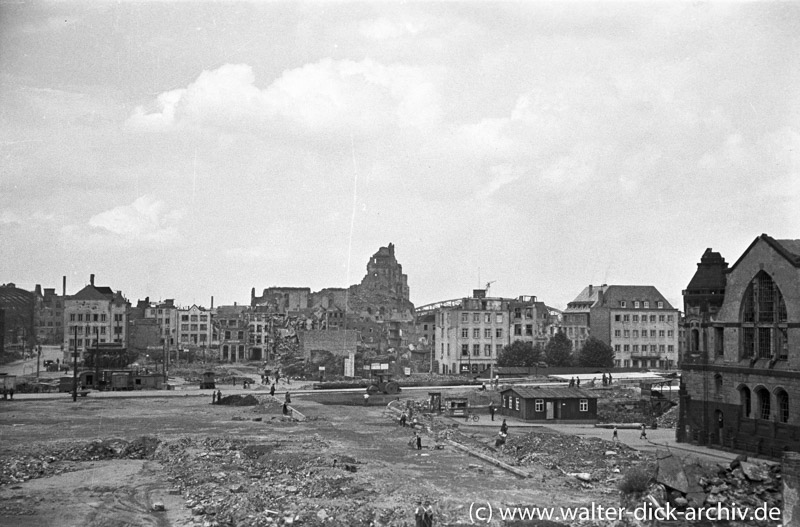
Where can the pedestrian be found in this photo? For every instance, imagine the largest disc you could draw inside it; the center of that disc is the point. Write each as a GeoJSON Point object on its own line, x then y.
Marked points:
{"type": "Point", "coordinates": [496, 381]}
{"type": "Point", "coordinates": [578, 382]}
{"type": "Point", "coordinates": [285, 409]}
{"type": "Point", "coordinates": [366, 399]}
{"type": "Point", "coordinates": [272, 390]}
{"type": "Point", "coordinates": [615, 436]}
{"type": "Point", "coordinates": [403, 419]}
{"type": "Point", "coordinates": [219, 397]}
{"type": "Point", "coordinates": [491, 410]}
{"type": "Point", "coordinates": [277, 376]}
{"type": "Point", "coordinates": [288, 397]}
{"type": "Point", "coordinates": [423, 516]}
{"type": "Point", "coordinates": [643, 435]}
{"type": "Point", "coordinates": [609, 378]}
{"type": "Point", "coordinates": [572, 382]}
{"type": "Point", "coordinates": [213, 397]}
{"type": "Point", "coordinates": [419, 441]}
{"type": "Point", "coordinates": [605, 380]}
{"type": "Point", "coordinates": [504, 427]}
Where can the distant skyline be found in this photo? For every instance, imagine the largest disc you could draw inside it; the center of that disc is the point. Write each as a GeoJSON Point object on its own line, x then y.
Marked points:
{"type": "Point", "coordinates": [195, 149]}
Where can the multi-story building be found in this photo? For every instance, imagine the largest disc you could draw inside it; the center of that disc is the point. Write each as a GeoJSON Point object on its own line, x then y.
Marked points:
{"type": "Point", "coordinates": [471, 332]}
{"type": "Point", "coordinates": [94, 315]}
{"type": "Point", "coordinates": [194, 328]}
{"type": "Point", "coordinates": [232, 327]}
{"type": "Point", "coordinates": [741, 372]}
{"type": "Point", "coordinates": [17, 309]}
{"type": "Point", "coordinates": [49, 316]}
{"type": "Point", "coordinates": [166, 313]}
{"type": "Point", "coordinates": [636, 321]}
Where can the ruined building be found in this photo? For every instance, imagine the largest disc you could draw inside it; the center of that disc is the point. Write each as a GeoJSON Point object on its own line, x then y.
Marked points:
{"type": "Point", "coordinates": [377, 310]}
{"type": "Point", "coordinates": [741, 372]}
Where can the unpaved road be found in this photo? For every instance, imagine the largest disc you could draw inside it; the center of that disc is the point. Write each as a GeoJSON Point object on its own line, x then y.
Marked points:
{"type": "Point", "coordinates": [344, 465]}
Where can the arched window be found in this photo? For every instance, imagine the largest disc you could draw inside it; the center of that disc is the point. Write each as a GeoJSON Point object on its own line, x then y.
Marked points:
{"type": "Point", "coordinates": [762, 396]}
{"type": "Point", "coordinates": [763, 309]}
{"type": "Point", "coordinates": [744, 400]}
{"type": "Point", "coordinates": [695, 342]}
{"type": "Point", "coordinates": [783, 405]}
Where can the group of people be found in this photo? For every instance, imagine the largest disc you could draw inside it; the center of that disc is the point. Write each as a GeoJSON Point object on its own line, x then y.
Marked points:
{"type": "Point", "coordinates": [575, 382]}
{"type": "Point", "coordinates": [216, 397]}
{"type": "Point", "coordinates": [8, 393]}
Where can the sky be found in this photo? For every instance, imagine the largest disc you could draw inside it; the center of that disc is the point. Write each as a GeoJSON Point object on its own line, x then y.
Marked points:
{"type": "Point", "coordinates": [195, 149]}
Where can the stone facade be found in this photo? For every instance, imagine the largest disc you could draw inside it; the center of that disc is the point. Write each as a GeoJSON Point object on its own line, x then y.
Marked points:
{"type": "Point", "coordinates": [339, 342]}
{"type": "Point", "coordinates": [741, 375]}
{"type": "Point", "coordinates": [637, 322]}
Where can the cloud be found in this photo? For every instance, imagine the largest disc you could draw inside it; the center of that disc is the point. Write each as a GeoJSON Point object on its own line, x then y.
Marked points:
{"type": "Point", "coordinates": [326, 96]}
{"type": "Point", "coordinates": [146, 220]}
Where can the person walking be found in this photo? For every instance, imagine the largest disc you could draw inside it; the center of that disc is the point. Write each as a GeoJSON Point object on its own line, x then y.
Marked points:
{"type": "Point", "coordinates": [403, 419]}
{"type": "Point", "coordinates": [577, 382]}
{"type": "Point", "coordinates": [491, 410]}
{"type": "Point", "coordinates": [643, 435]}
{"type": "Point", "coordinates": [213, 397]}
{"type": "Point", "coordinates": [288, 397]}
{"type": "Point", "coordinates": [572, 382]}
{"type": "Point", "coordinates": [272, 390]}
{"type": "Point", "coordinates": [219, 396]}
{"type": "Point", "coordinates": [504, 427]}
{"type": "Point", "coordinates": [419, 441]}
{"type": "Point", "coordinates": [615, 436]}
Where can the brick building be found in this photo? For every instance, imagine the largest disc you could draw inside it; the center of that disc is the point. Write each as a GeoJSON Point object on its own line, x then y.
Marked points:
{"type": "Point", "coordinates": [741, 372]}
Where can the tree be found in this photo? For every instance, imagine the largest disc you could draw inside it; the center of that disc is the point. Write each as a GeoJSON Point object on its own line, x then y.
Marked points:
{"type": "Point", "coordinates": [596, 353]}
{"type": "Point", "coordinates": [518, 354]}
{"type": "Point", "coordinates": [558, 351]}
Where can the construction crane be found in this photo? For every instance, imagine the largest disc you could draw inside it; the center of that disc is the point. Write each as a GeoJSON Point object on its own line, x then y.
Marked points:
{"type": "Point", "coordinates": [487, 286]}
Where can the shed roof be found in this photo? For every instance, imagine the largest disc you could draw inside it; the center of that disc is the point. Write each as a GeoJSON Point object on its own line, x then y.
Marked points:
{"type": "Point", "coordinates": [546, 392]}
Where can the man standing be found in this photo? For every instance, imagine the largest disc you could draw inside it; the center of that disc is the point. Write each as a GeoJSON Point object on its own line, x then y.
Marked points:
{"type": "Point", "coordinates": [419, 441]}
{"type": "Point", "coordinates": [272, 390]}
{"type": "Point", "coordinates": [491, 410]}
{"type": "Point", "coordinates": [615, 437]}
{"type": "Point", "coordinates": [643, 435]}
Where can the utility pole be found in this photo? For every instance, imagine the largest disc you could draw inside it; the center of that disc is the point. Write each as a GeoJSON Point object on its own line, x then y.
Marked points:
{"type": "Point", "coordinates": [75, 367]}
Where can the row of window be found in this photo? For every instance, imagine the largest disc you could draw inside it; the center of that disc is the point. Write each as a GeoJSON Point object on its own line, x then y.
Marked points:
{"type": "Point", "coordinates": [636, 333]}
{"type": "Point", "coordinates": [764, 408]}
{"type": "Point", "coordinates": [487, 333]}
{"type": "Point", "coordinates": [89, 342]}
{"type": "Point", "coordinates": [645, 304]}
{"type": "Point", "coordinates": [90, 317]}
{"type": "Point", "coordinates": [194, 318]}
{"type": "Point", "coordinates": [185, 327]}
{"type": "Point", "coordinates": [643, 318]}
{"type": "Point", "coordinates": [476, 350]}
{"type": "Point", "coordinates": [486, 317]}
{"type": "Point", "coordinates": [512, 403]}
{"type": "Point", "coordinates": [653, 348]}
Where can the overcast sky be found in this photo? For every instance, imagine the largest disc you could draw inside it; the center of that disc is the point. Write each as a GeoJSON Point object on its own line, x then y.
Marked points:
{"type": "Point", "coordinates": [184, 150]}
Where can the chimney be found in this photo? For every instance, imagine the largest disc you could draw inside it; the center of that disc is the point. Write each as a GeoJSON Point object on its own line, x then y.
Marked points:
{"type": "Point", "coordinates": [590, 290]}
{"type": "Point", "coordinates": [212, 302]}
{"type": "Point", "coordinates": [64, 286]}
{"type": "Point", "coordinates": [38, 290]}
{"type": "Point", "coordinates": [91, 279]}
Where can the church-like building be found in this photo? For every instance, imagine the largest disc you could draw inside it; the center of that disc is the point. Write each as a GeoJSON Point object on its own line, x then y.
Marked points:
{"type": "Point", "coordinates": [740, 386]}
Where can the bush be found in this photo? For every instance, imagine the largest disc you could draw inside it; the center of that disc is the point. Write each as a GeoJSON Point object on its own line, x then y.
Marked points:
{"type": "Point", "coordinates": [635, 480]}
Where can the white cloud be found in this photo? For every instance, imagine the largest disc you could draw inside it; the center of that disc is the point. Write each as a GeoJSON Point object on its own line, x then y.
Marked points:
{"type": "Point", "coordinates": [329, 95]}
{"type": "Point", "coordinates": [146, 220]}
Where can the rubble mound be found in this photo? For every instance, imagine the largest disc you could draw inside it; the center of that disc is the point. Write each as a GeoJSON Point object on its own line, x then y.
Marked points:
{"type": "Point", "coordinates": [60, 459]}
{"type": "Point", "coordinates": [669, 419]}
{"type": "Point", "coordinates": [239, 400]}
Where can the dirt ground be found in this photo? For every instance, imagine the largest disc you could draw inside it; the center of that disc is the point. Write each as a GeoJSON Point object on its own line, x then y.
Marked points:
{"type": "Point", "coordinates": [103, 462]}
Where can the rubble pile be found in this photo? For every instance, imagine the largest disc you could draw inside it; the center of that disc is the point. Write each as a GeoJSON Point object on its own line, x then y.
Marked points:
{"type": "Point", "coordinates": [602, 459]}
{"type": "Point", "coordinates": [233, 482]}
{"type": "Point", "coordinates": [742, 484]}
{"type": "Point", "coordinates": [239, 400]}
{"type": "Point", "coordinates": [61, 459]}
{"type": "Point", "coordinates": [668, 419]}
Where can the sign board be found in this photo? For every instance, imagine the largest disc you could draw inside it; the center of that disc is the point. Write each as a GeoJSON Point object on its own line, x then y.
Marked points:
{"type": "Point", "coordinates": [322, 368]}
{"type": "Point", "coordinates": [407, 371]}
{"type": "Point", "coordinates": [385, 366]}
{"type": "Point", "coordinates": [350, 365]}
{"type": "Point", "coordinates": [376, 366]}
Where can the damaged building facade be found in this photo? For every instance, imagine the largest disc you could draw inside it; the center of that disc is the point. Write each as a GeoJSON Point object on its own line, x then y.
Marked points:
{"type": "Point", "coordinates": [466, 335]}
{"type": "Point", "coordinates": [741, 371]}
{"type": "Point", "coordinates": [375, 314]}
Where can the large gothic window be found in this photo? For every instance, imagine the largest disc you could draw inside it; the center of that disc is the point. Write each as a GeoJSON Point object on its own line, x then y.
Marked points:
{"type": "Point", "coordinates": [783, 405]}
{"type": "Point", "coordinates": [744, 399]}
{"type": "Point", "coordinates": [763, 309]}
{"type": "Point", "coordinates": [764, 410]}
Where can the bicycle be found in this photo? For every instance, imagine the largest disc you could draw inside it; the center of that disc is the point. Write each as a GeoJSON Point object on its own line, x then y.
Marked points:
{"type": "Point", "coordinates": [473, 417]}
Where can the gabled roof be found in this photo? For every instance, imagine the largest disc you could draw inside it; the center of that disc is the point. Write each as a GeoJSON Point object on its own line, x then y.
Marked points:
{"type": "Point", "coordinates": [789, 249]}
{"type": "Point", "coordinates": [547, 392]}
{"type": "Point", "coordinates": [91, 292]}
{"type": "Point", "coordinates": [629, 293]}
